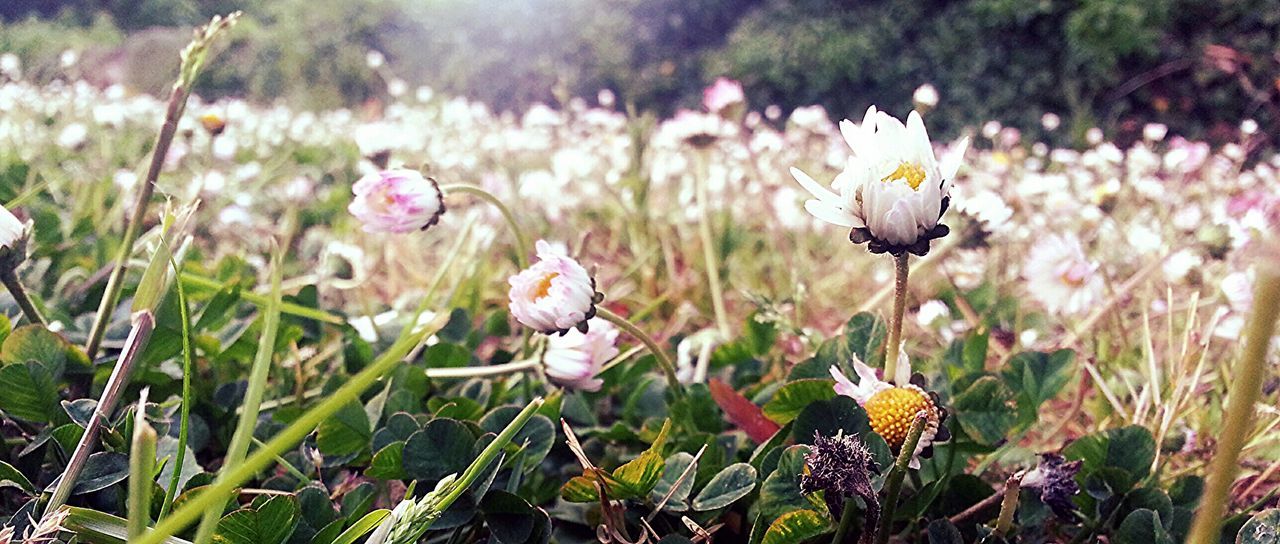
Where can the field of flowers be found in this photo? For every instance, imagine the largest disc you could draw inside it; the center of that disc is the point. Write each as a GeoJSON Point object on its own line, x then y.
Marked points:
{"type": "Point", "coordinates": [424, 321]}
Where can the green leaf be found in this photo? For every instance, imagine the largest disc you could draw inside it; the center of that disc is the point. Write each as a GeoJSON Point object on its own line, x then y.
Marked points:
{"type": "Point", "coordinates": [362, 527]}
{"type": "Point", "coordinates": [731, 484]}
{"type": "Point", "coordinates": [511, 519]}
{"type": "Point", "coordinates": [271, 523]}
{"type": "Point", "coordinates": [101, 528]}
{"type": "Point", "coordinates": [793, 397]}
{"type": "Point", "coordinates": [11, 477]}
{"type": "Point", "coordinates": [446, 355]}
{"type": "Point", "coordinates": [346, 432]}
{"type": "Point", "coordinates": [797, 526]}
{"type": "Point", "coordinates": [675, 466]}
{"type": "Point", "coordinates": [1129, 449]}
{"type": "Point", "coordinates": [443, 447]}
{"type": "Point", "coordinates": [641, 474]}
{"type": "Point", "coordinates": [1262, 528]}
{"type": "Point", "coordinates": [780, 492]}
{"type": "Point", "coordinates": [102, 470]}
{"type": "Point", "coordinates": [1142, 527]}
{"type": "Point", "coordinates": [864, 336]}
{"type": "Point", "coordinates": [387, 463]}
{"type": "Point", "coordinates": [35, 343]}
{"type": "Point", "coordinates": [983, 411]}
{"type": "Point", "coordinates": [826, 417]}
{"type": "Point", "coordinates": [30, 393]}
{"type": "Point", "coordinates": [537, 436]}
{"type": "Point", "coordinates": [1037, 377]}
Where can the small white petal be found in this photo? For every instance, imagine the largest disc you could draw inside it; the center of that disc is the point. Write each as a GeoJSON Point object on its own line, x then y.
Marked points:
{"type": "Point", "coordinates": [816, 189]}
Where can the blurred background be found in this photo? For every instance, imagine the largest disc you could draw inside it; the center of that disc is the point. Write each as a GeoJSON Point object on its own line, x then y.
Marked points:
{"type": "Point", "coordinates": [1198, 66]}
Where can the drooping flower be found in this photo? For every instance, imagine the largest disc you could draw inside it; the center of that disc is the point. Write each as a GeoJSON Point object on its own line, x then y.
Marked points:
{"type": "Point", "coordinates": [1054, 480]}
{"type": "Point", "coordinates": [573, 359]}
{"type": "Point", "coordinates": [1060, 276]}
{"type": "Point", "coordinates": [725, 93]}
{"type": "Point", "coordinates": [841, 467]}
{"type": "Point", "coordinates": [555, 294]}
{"type": "Point", "coordinates": [893, 190]}
{"type": "Point", "coordinates": [892, 407]}
{"type": "Point", "coordinates": [13, 240]}
{"type": "Point", "coordinates": [396, 201]}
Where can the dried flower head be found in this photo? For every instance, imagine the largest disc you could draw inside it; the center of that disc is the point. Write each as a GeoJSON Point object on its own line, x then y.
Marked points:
{"type": "Point", "coordinates": [841, 467]}
{"type": "Point", "coordinates": [1054, 479]}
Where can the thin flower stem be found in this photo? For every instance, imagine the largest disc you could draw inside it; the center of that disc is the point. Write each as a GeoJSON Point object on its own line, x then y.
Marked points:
{"type": "Point", "coordinates": [709, 247]}
{"type": "Point", "coordinates": [201, 283]}
{"type": "Point", "coordinates": [521, 241]}
{"type": "Point", "coordinates": [901, 270]}
{"type": "Point", "coordinates": [482, 371]}
{"type": "Point", "coordinates": [1245, 389]}
{"type": "Point", "coordinates": [1008, 506]}
{"type": "Point", "coordinates": [893, 484]}
{"type": "Point", "coordinates": [664, 361]}
{"type": "Point", "coordinates": [846, 521]}
{"type": "Point", "coordinates": [143, 324]}
{"type": "Point", "coordinates": [19, 293]}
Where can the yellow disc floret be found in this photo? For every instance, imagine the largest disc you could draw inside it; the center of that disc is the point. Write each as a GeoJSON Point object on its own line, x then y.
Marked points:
{"type": "Point", "coordinates": [892, 411]}
{"type": "Point", "coordinates": [912, 173]}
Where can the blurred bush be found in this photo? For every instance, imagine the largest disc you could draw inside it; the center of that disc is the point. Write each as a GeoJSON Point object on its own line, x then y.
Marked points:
{"type": "Point", "coordinates": [1197, 65]}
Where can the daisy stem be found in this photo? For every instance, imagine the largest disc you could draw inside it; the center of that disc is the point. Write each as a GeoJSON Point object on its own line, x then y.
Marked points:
{"type": "Point", "coordinates": [668, 368]}
{"type": "Point", "coordinates": [522, 251]}
{"type": "Point", "coordinates": [893, 484]}
{"type": "Point", "coordinates": [482, 371]}
{"type": "Point", "coordinates": [1245, 389]}
{"type": "Point", "coordinates": [846, 521]}
{"type": "Point", "coordinates": [709, 247]}
{"type": "Point", "coordinates": [901, 269]}
{"type": "Point", "coordinates": [1009, 505]}
{"type": "Point", "coordinates": [19, 293]}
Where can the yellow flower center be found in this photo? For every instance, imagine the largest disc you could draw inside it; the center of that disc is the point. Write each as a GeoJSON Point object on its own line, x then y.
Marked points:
{"type": "Point", "coordinates": [891, 412]}
{"type": "Point", "coordinates": [912, 173]}
{"type": "Point", "coordinates": [543, 288]}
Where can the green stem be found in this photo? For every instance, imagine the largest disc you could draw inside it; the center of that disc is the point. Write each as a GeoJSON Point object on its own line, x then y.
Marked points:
{"type": "Point", "coordinates": [522, 257]}
{"type": "Point", "coordinates": [482, 371]}
{"type": "Point", "coordinates": [668, 368]}
{"type": "Point", "coordinates": [19, 293]}
{"type": "Point", "coordinates": [901, 270]}
{"type": "Point", "coordinates": [846, 521]}
{"type": "Point", "coordinates": [201, 283]}
{"type": "Point", "coordinates": [893, 485]}
{"type": "Point", "coordinates": [489, 453]}
{"type": "Point", "coordinates": [115, 283]}
{"type": "Point", "coordinates": [184, 421]}
{"type": "Point", "coordinates": [258, 374]}
{"type": "Point", "coordinates": [1246, 388]}
{"type": "Point", "coordinates": [708, 246]}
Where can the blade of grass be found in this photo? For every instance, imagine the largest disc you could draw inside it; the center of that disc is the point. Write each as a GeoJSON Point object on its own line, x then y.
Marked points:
{"type": "Point", "coordinates": [258, 374]}
{"type": "Point", "coordinates": [184, 418]}
{"type": "Point", "coordinates": [203, 284]}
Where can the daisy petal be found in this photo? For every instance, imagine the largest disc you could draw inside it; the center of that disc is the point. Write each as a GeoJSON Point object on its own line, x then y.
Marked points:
{"type": "Point", "coordinates": [816, 189]}
{"type": "Point", "coordinates": [831, 214]}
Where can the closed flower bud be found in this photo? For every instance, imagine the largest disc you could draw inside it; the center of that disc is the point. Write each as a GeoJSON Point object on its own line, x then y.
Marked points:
{"type": "Point", "coordinates": [574, 359]}
{"type": "Point", "coordinates": [553, 295]}
{"type": "Point", "coordinates": [396, 201]}
{"type": "Point", "coordinates": [13, 240]}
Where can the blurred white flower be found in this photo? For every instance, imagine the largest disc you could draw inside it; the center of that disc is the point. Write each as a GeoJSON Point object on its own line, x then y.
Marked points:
{"type": "Point", "coordinates": [1093, 136]}
{"type": "Point", "coordinates": [1060, 277]}
{"type": "Point", "coordinates": [73, 136]}
{"type": "Point", "coordinates": [931, 311]}
{"type": "Point", "coordinates": [725, 93]}
{"type": "Point", "coordinates": [925, 95]}
{"type": "Point", "coordinates": [1178, 265]}
{"type": "Point", "coordinates": [1154, 132]}
{"type": "Point", "coordinates": [991, 129]}
{"type": "Point", "coordinates": [374, 59]}
{"type": "Point", "coordinates": [12, 231]}
{"type": "Point", "coordinates": [606, 98]}
{"type": "Point", "coordinates": [1050, 121]}
{"type": "Point", "coordinates": [1249, 127]}
{"type": "Point", "coordinates": [396, 201]}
